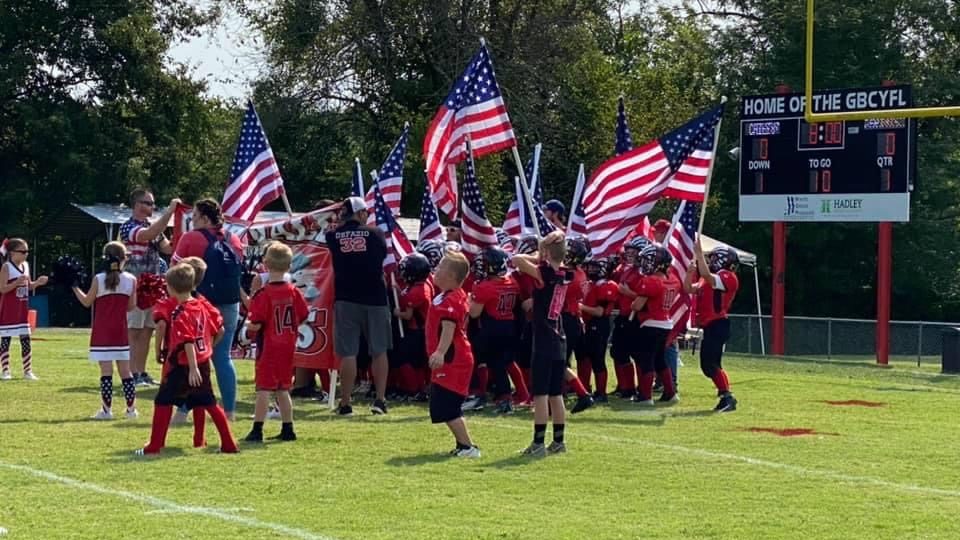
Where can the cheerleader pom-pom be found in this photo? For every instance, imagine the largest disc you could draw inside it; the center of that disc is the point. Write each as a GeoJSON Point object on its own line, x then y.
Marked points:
{"type": "Point", "coordinates": [244, 339]}
{"type": "Point", "coordinates": [68, 271]}
{"type": "Point", "coordinates": [151, 289]}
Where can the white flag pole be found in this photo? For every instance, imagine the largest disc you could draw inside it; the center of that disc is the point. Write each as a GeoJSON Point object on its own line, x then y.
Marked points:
{"type": "Point", "coordinates": [359, 174]}
{"type": "Point", "coordinates": [528, 201]}
{"type": "Point", "coordinates": [577, 194]}
{"type": "Point", "coordinates": [713, 160]}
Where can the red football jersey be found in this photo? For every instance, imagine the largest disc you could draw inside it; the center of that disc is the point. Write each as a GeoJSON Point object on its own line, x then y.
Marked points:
{"type": "Point", "coordinates": [192, 322]}
{"type": "Point", "coordinates": [576, 292]}
{"type": "Point", "coordinates": [603, 294]}
{"type": "Point", "coordinates": [661, 292]}
{"type": "Point", "coordinates": [280, 308]}
{"type": "Point", "coordinates": [499, 296]}
{"type": "Point", "coordinates": [527, 285]}
{"type": "Point", "coordinates": [629, 275]}
{"type": "Point", "coordinates": [416, 297]}
{"type": "Point", "coordinates": [714, 297]}
{"type": "Point", "coordinates": [457, 368]}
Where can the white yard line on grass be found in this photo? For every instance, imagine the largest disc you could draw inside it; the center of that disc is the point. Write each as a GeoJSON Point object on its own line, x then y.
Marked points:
{"type": "Point", "coordinates": [795, 469]}
{"type": "Point", "coordinates": [168, 505]}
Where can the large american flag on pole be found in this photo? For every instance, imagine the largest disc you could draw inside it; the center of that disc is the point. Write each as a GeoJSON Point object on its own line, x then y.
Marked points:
{"type": "Point", "coordinates": [624, 143]}
{"type": "Point", "coordinates": [390, 179]}
{"type": "Point", "coordinates": [680, 242]}
{"type": "Point", "coordinates": [477, 232]}
{"type": "Point", "coordinates": [398, 246]}
{"type": "Point", "coordinates": [475, 108]}
{"type": "Point", "coordinates": [429, 220]}
{"type": "Point", "coordinates": [255, 179]}
{"type": "Point", "coordinates": [623, 190]}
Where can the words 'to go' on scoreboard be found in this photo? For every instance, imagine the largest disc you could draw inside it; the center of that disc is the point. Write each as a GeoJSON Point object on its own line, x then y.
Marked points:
{"type": "Point", "coordinates": [792, 170]}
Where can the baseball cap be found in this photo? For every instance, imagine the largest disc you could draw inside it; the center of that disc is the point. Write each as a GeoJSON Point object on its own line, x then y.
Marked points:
{"type": "Point", "coordinates": [661, 225]}
{"type": "Point", "coordinates": [556, 206]}
{"type": "Point", "coordinates": [352, 205]}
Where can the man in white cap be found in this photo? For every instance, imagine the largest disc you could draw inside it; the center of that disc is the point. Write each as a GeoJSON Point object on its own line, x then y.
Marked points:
{"type": "Point", "coordinates": [360, 300]}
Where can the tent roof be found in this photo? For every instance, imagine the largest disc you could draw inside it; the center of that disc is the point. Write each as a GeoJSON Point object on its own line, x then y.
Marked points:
{"type": "Point", "coordinates": [86, 221]}
{"type": "Point", "coordinates": [746, 257]}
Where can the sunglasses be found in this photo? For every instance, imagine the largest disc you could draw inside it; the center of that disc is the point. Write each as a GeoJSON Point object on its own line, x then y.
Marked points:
{"type": "Point", "coordinates": [147, 203]}
{"type": "Point", "coordinates": [24, 251]}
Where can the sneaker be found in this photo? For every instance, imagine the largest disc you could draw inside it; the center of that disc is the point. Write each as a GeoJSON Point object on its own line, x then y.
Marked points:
{"type": "Point", "coordinates": [344, 410]}
{"type": "Point", "coordinates": [626, 394]}
{"type": "Point", "coordinates": [537, 450]}
{"type": "Point", "coordinates": [528, 404]}
{"type": "Point", "coordinates": [103, 415]}
{"type": "Point", "coordinates": [600, 398]}
{"type": "Point", "coordinates": [504, 407]}
{"type": "Point", "coordinates": [6, 376]}
{"type": "Point", "coordinates": [273, 413]}
{"type": "Point", "coordinates": [557, 448]}
{"type": "Point", "coordinates": [131, 413]}
{"type": "Point", "coordinates": [727, 403]}
{"type": "Point", "coordinates": [473, 452]}
{"type": "Point", "coordinates": [138, 380]}
{"type": "Point", "coordinates": [658, 387]}
{"type": "Point", "coordinates": [473, 403]}
{"type": "Point", "coordinates": [284, 436]}
{"type": "Point", "coordinates": [671, 399]}
{"type": "Point", "coordinates": [254, 437]}
{"type": "Point", "coordinates": [582, 404]}
{"type": "Point", "coordinates": [379, 407]}
{"type": "Point", "coordinates": [643, 402]}
{"type": "Point", "coordinates": [148, 380]}
{"type": "Point", "coordinates": [29, 376]}
{"type": "Point", "coordinates": [179, 418]}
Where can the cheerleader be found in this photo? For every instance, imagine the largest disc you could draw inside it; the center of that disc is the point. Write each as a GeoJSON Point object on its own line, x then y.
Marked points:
{"type": "Point", "coordinates": [112, 294]}
{"type": "Point", "coordinates": [15, 287]}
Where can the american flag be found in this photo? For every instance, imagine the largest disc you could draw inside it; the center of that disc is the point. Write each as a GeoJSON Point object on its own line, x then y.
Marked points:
{"type": "Point", "coordinates": [623, 190]}
{"type": "Point", "coordinates": [623, 144]}
{"type": "Point", "coordinates": [473, 107]}
{"type": "Point", "coordinates": [683, 234]}
{"type": "Point", "coordinates": [391, 174]}
{"type": "Point", "coordinates": [577, 226]}
{"type": "Point", "coordinates": [356, 188]}
{"type": "Point", "coordinates": [429, 221]}
{"type": "Point", "coordinates": [478, 233]}
{"type": "Point", "coordinates": [398, 246]}
{"type": "Point", "coordinates": [255, 179]}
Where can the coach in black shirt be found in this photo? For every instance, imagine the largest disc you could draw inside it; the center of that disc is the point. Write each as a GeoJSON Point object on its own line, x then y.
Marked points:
{"type": "Point", "coordinates": [360, 306]}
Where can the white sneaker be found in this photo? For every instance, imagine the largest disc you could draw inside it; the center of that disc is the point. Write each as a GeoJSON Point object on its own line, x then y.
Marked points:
{"type": "Point", "coordinates": [132, 413]}
{"type": "Point", "coordinates": [29, 376]}
{"type": "Point", "coordinates": [273, 414]}
{"type": "Point", "coordinates": [473, 453]}
{"type": "Point", "coordinates": [103, 415]}
{"type": "Point", "coordinates": [6, 376]}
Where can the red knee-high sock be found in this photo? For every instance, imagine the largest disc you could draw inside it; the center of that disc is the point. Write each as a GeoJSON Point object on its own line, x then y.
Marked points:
{"type": "Point", "coordinates": [199, 428]}
{"type": "Point", "coordinates": [721, 381]}
{"type": "Point", "coordinates": [666, 379]}
{"type": "Point", "coordinates": [577, 386]}
{"type": "Point", "coordinates": [584, 369]}
{"type": "Point", "coordinates": [516, 377]}
{"type": "Point", "coordinates": [409, 382]}
{"type": "Point", "coordinates": [228, 444]}
{"type": "Point", "coordinates": [601, 383]}
{"type": "Point", "coordinates": [483, 380]}
{"type": "Point", "coordinates": [325, 379]}
{"type": "Point", "coordinates": [159, 428]}
{"type": "Point", "coordinates": [626, 377]}
{"type": "Point", "coordinates": [646, 385]}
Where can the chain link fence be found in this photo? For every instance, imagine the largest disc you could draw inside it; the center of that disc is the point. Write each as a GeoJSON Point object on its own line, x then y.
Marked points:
{"type": "Point", "coordinates": [855, 339]}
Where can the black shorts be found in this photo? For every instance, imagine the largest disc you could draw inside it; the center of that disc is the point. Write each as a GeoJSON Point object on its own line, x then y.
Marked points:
{"type": "Point", "coordinates": [649, 348]}
{"type": "Point", "coordinates": [525, 346]}
{"type": "Point", "coordinates": [410, 349]}
{"type": "Point", "coordinates": [495, 343]}
{"type": "Point", "coordinates": [620, 341]}
{"type": "Point", "coordinates": [573, 330]}
{"type": "Point", "coordinates": [445, 405]}
{"type": "Point", "coordinates": [593, 345]}
{"type": "Point", "coordinates": [548, 366]}
{"type": "Point", "coordinates": [175, 388]}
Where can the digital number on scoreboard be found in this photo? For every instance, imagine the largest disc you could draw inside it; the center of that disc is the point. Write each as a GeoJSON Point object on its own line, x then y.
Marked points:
{"type": "Point", "coordinates": [793, 170]}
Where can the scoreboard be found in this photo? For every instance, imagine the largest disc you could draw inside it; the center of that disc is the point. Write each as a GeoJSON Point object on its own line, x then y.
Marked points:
{"type": "Point", "coordinates": [792, 170]}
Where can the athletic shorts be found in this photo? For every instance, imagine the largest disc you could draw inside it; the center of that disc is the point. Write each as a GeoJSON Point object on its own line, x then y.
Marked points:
{"type": "Point", "coordinates": [548, 366]}
{"type": "Point", "coordinates": [351, 321]}
{"type": "Point", "coordinates": [445, 405]}
{"type": "Point", "coordinates": [273, 375]}
{"type": "Point", "coordinates": [138, 319]}
{"type": "Point", "coordinates": [175, 388]}
{"type": "Point", "coordinates": [620, 341]}
{"type": "Point", "coordinates": [593, 344]}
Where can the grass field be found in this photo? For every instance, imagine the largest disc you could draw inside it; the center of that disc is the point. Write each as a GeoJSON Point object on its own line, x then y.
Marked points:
{"type": "Point", "coordinates": [889, 471]}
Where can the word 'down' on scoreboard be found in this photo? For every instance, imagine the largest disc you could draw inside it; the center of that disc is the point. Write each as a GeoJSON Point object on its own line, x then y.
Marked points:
{"type": "Point", "coordinates": [792, 170]}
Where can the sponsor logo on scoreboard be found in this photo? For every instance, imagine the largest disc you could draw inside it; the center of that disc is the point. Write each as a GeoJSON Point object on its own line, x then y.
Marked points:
{"type": "Point", "coordinates": [797, 207]}
{"type": "Point", "coordinates": [867, 207]}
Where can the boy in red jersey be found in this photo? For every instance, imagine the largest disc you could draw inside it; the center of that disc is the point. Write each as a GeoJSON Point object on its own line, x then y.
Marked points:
{"type": "Point", "coordinates": [493, 303]}
{"type": "Point", "coordinates": [713, 281]}
{"type": "Point", "coordinates": [410, 354]}
{"type": "Point", "coordinates": [624, 329]}
{"type": "Point", "coordinates": [192, 331]}
{"type": "Point", "coordinates": [276, 312]}
{"type": "Point", "coordinates": [657, 290]}
{"type": "Point", "coordinates": [597, 306]}
{"type": "Point", "coordinates": [451, 357]}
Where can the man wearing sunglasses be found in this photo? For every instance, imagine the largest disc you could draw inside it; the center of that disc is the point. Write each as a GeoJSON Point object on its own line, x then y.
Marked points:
{"type": "Point", "coordinates": [144, 242]}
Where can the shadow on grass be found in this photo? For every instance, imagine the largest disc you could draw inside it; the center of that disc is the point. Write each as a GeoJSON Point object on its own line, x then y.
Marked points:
{"type": "Point", "coordinates": [422, 459]}
{"type": "Point", "coordinates": [514, 461]}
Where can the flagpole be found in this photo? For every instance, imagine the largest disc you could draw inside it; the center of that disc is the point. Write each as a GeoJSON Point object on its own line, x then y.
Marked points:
{"type": "Point", "coordinates": [286, 203]}
{"type": "Point", "coordinates": [359, 174]}
{"type": "Point", "coordinates": [713, 160]}
{"type": "Point", "coordinates": [526, 193]}
{"type": "Point", "coordinates": [393, 275]}
{"type": "Point", "coordinates": [673, 224]}
{"type": "Point", "coordinates": [283, 194]}
{"type": "Point", "coordinates": [577, 193]}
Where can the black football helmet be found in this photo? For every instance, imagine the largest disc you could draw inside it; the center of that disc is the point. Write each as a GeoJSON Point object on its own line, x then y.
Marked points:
{"type": "Point", "coordinates": [577, 250]}
{"type": "Point", "coordinates": [528, 244]}
{"type": "Point", "coordinates": [414, 268]}
{"type": "Point", "coordinates": [494, 261]}
{"type": "Point", "coordinates": [433, 250]}
{"type": "Point", "coordinates": [723, 258]}
{"type": "Point", "coordinates": [654, 258]}
{"type": "Point", "coordinates": [597, 268]}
